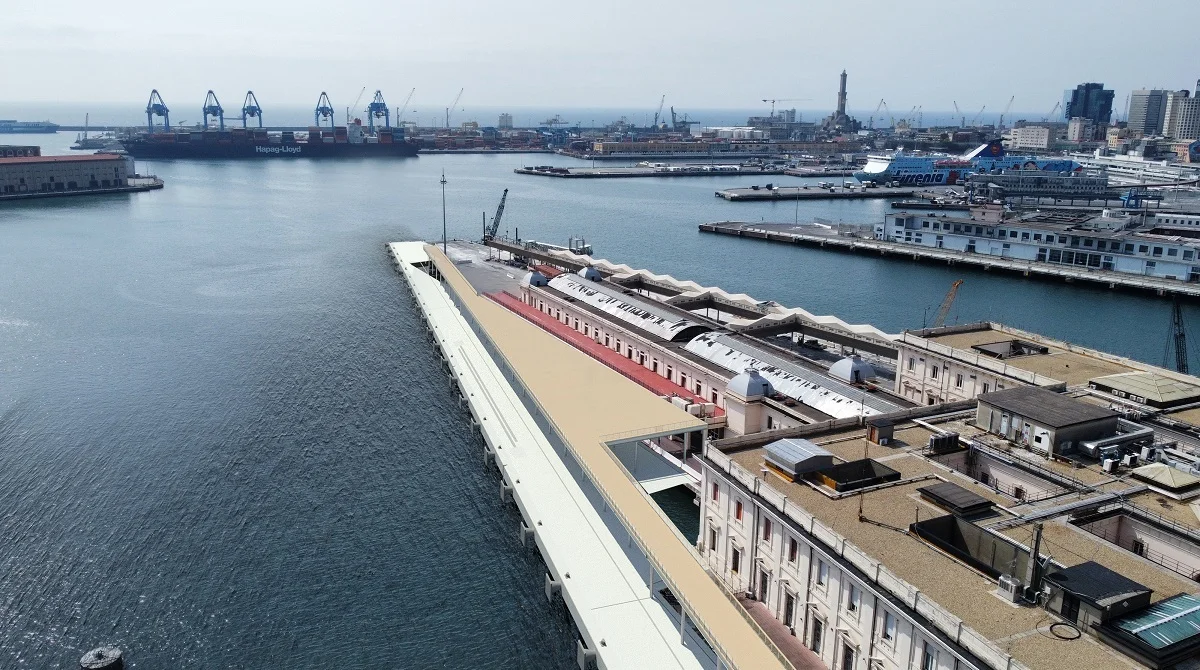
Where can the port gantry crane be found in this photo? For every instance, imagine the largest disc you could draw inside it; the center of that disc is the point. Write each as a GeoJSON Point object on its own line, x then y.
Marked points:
{"type": "Point", "coordinates": [1000, 126]}
{"type": "Point", "coordinates": [212, 107]}
{"type": "Point", "coordinates": [659, 112]}
{"type": "Point", "coordinates": [453, 105]}
{"type": "Point", "coordinates": [156, 107]}
{"type": "Point", "coordinates": [490, 232]}
{"type": "Point", "coordinates": [402, 108]}
{"type": "Point", "coordinates": [378, 109]}
{"type": "Point", "coordinates": [962, 119]}
{"type": "Point", "coordinates": [947, 302]}
{"type": "Point", "coordinates": [324, 110]}
{"type": "Point", "coordinates": [250, 108]}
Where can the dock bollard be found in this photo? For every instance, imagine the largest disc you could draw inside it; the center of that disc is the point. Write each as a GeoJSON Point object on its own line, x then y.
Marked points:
{"type": "Point", "coordinates": [102, 658]}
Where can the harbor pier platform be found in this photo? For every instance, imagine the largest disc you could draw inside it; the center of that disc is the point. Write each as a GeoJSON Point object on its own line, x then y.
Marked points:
{"type": "Point", "coordinates": [552, 419]}
{"type": "Point", "coordinates": [812, 193]}
{"type": "Point", "coordinates": [827, 237]}
{"type": "Point", "coordinates": [647, 171]}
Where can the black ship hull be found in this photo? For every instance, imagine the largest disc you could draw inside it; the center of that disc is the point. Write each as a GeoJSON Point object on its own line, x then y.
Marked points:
{"type": "Point", "coordinates": [148, 148]}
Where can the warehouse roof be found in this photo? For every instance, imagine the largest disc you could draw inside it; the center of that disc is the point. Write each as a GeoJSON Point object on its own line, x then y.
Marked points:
{"type": "Point", "coordinates": [1048, 408]}
{"type": "Point", "coordinates": [59, 159]}
{"type": "Point", "coordinates": [1151, 388]}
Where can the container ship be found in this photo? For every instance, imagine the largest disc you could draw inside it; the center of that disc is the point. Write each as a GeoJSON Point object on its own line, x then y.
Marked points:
{"type": "Point", "coordinates": [341, 141]}
{"type": "Point", "coordinates": [350, 141]}
{"type": "Point", "coordinates": [12, 126]}
{"type": "Point", "coordinates": [934, 170]}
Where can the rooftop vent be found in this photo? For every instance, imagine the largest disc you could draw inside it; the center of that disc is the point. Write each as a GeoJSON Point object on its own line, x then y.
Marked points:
{"type": "Point", "coordinates": [1011, 349]}
{"type": "Point", "coordinates": [856, 475]}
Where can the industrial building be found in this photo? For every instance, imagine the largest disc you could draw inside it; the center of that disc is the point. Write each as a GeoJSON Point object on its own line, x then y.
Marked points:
{"type": "Point", "coordinates": [49, 174]}
{"type": "Point", "coordinates": [1045, 421]}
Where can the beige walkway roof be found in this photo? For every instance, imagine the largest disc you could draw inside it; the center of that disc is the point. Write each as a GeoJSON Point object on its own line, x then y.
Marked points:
{"type": "Point", "coordinates": [592, 405]}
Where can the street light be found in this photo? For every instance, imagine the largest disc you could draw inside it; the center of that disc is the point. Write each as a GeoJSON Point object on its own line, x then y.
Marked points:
{"type": "Point", "coordinates": [443, 182]}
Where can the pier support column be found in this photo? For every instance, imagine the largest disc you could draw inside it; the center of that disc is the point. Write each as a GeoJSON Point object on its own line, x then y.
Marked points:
{"type": "Point", "coordinates": [524, 532]}
{"type": "Point", "coordinates": [553, 587]}
{"type": "Point", "coordinates": [505, 491]}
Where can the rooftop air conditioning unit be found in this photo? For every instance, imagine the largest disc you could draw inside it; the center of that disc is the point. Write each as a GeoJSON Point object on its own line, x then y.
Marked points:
{"type": "Point", "coordinates": [1110, 465]}
{"type": "Point", "coordinates": [1011, 588]}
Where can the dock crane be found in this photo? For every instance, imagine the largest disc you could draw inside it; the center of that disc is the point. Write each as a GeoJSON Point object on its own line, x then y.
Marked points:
{"type": "Point", "coordinates": [156, 107]}
{"type": "Point", "coordinates": [978, 117]}
{"type": "Point", "coordinates": [355, 105]}
{"type": "Point", "coordinates": [489, 233]}
{"type": "Point", "coordinates": [379, 109]}
{"type": "Point", "coordinates": [1000, 127]}
{"type": "Point", "coordinates": [1178, 338]}
{"type": "Point", "coordinates": [212, 107]}
{"type": "Point", "coordinates": [250, 108]}
{"type": "Point", "coordinates": [783, 100]}
{"type": "Point", "coordinates": [402, 108]}
{"type": "Point", "coordinates": [677, 124]}
{"type": "Point", "coordinates": [947, 302]}
{"type": "Point", "coordinates": [871, 121]}
{"type": "Point", "coordinates": [1055, 108]}
{"type": "Point", "coordinates": [659, 112]}
{"type": "Point", "coordinates": [324, 110]}
{"type": "Point", "coordinates": [453, 105]}
{"type": "Point", "coordinates": [920, 116]}
{"type": "Point", "coordinates": [962, 120]}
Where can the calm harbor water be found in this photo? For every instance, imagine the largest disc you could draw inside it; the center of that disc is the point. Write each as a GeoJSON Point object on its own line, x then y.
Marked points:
{"type": "Point", "coordinates": [226, 442]}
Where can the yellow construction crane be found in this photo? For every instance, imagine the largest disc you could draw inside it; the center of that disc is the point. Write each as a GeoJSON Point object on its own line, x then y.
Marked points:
{"type": "Point", "coordinates": [940, 319]}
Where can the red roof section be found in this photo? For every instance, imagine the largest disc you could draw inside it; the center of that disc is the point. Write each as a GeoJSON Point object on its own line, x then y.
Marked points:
{"type": "Point", "coordinates": [548, 271]}
{"type": "Point", "coordinates": [651, 381]}
{"type": "Point", "coordinates": [60, 159]}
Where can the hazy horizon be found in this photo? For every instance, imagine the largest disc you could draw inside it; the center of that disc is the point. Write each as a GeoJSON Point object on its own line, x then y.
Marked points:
{"type": "Point", "coordinates": [622, 55]}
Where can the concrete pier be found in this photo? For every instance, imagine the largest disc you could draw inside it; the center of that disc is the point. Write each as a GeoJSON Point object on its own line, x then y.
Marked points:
{"type": "Point", "coordinates": [658, 171]}
{"type": "Point", "coordinates": [515, 380]}
{"type": "Point", "coordinates": [812, 193]}
{"type": "Point", "coordinates": [811, 235]}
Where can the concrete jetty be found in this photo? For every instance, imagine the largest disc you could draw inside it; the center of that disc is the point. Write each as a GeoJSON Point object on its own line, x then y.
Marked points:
{"type": "Point", "coordinates": [830, 238]}
{"type": "Point", "coordinates": [646, 171]}
{"type": "Point", "coordinates": [772, 192]}
{"type": "Point", "coordinates": [516, 381]}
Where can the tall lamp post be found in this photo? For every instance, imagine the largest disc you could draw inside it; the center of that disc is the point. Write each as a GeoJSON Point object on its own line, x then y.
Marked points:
{"type": "Point", "coordinates": [444, 213]}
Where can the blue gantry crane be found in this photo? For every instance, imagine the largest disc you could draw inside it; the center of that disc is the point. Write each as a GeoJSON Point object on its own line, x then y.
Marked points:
{"type": "Point", "coordinates": [250, 108]}
{"type": "Point", "coordinates": [212, 107]}
{"type": "Point", "coordinates": [324, 110]}
{"type": "Point", "coordinates": [378, 109]}
{"type": "Point", "coordinates": [156, 107]}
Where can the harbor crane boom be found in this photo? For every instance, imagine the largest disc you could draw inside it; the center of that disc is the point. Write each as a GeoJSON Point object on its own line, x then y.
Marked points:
{"type": "Point", "coordinates": [1000, 127]}
{"type": "Point", "coordinates": [962, 120]}
{"type": "Point", "coordinates": [400, 111]}
{"type": "Point", "coordinates": [1178, 339]}
{"type": "Point", "coordinates": [379, 109]}
{"type": "Point", "coordinates": [871, 121]}
{"type": "Point", "coordinates": [250, 108]}
{"type": "Point", "coordinates": [324, 110]}
{"type": "Point", "coordinates": [490, 233]}
{"type": "Point", "coordinates": [212, 107]}
{"type": "Point", "coordinates": [978, 117]}
{"type": "Point", "coordinates": [659, 112]}
{"type": "Point", "coordinates": [783, 100]}
{"type": "Point", "coordinates": [453, 105]}
{"type": "Point", "coordinates": [947, 302]}
{"type": "Point", "coordinates": [156, 107]}
{"type": "Point", "coordinates": [1055, 108]}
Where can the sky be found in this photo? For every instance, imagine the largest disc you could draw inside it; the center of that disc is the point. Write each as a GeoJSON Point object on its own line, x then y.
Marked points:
{"type": "Point", "coordinates": [612, 54]}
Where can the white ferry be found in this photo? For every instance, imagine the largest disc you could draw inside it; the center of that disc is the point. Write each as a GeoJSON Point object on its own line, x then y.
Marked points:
{"type": "Point", "coordinates": [935, 169]}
